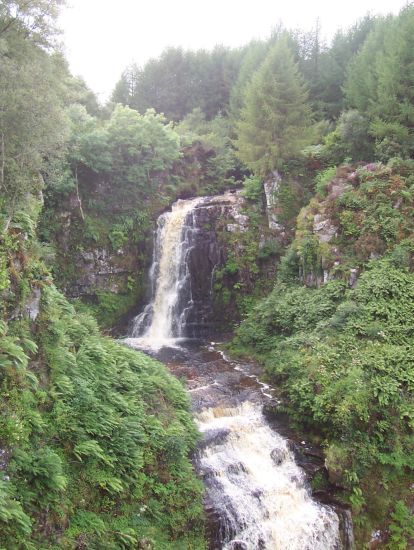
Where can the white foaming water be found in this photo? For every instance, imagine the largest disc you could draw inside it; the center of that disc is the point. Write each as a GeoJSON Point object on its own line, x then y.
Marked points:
{"type": "Point", "coordinates": [257, 490]}
{"type": "Point", "coordinates": [163, 320]}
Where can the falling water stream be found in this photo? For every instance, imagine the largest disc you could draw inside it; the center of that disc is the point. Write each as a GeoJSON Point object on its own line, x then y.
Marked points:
{"type": "Point", "coordinates": [163, 320]}
{"type": "Point", "coordinates": [257, 497]}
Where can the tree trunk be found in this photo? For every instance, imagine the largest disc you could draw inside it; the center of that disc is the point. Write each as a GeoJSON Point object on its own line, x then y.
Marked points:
{"type": "Point", "coordinates": [78, 194]}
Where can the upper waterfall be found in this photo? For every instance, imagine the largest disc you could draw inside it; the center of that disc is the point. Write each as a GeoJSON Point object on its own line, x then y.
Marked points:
{"type": "Point", "coordinates": [187, 250]}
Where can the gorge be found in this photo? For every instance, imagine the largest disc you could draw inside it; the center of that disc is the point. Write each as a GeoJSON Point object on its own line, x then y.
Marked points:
{"type": "Point", "coordinates": [256, 496]}
{"type": "Point", "coordinates": [246, 217]}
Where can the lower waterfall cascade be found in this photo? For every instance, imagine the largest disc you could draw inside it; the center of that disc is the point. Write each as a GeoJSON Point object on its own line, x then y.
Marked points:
{"type": "Point", "coordinates": [256, 496]}
{"type": "Point", "coordinates": [257, 489]}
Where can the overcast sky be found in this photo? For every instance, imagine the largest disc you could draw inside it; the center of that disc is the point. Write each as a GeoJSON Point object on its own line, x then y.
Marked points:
{"type": "Point", "coordinates": [103, 36]}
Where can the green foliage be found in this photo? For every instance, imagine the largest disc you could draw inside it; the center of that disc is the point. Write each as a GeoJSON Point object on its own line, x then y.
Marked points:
{"type": "Point", "coordinates": [401, 528]}
{"type": "Point", "coordinates": [119, 233]}
{"type": "Point", "coordinates": [378, 87]}
{"type": "Point", "coordinates": [342, 359]}
{"type": "Point", "coordinates": [208, 150]}
{"type": "Point", "coordinates": [253, 56]}
{"type": "Point", "coordinates": [350, 140]}
{"type": "Point", "coordinates": [140, 145]}
{"type": "Point", "coordinates": [239, 282]}
{"type": "Point", "coordinates": [324, 68]}
{"type": "Point", "coordinates": [290, 196]}
{"type": "Point", "coordinates": [32, 125]}
{"type": "Point", "coordinates": [129, 149]}
{"type": "Point", "coordinates": [14, 522]}
{"type": "Point", "coordinates": [180, 81]}
{"type": "Point", "coordinates": [252, 189]}
{"type": "Point", "coordinates": [275, 120]}
{"type": "Point", "coordinates": [7, 245]}
{"type": "Point", "coordinates": [362, 78]}
{"type": "Point", "coordinates": [366, 212]}
{"type": "Point", "coordinates": [96, 436]}
{"type": "Point", "coordinates": [323, 179]}
{"type": "Point", "coordinates": [111, 307]}
{"type": "Point", "coordinates": [105, 439]}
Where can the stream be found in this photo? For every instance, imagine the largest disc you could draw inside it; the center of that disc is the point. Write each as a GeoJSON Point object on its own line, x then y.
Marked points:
{"type": "Point", "coordinates": [256, 495]}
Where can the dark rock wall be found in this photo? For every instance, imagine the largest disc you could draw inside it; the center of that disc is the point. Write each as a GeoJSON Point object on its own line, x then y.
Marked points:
{"type": "Point", "coordinates": [211, 218]}
{"type": "Point", "coordinates": [102, 269]}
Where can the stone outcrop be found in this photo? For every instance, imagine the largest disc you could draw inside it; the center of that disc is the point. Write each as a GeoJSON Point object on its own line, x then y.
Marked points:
{"type": "Point", "coordinates": [100, 269]}
{"type": "Point", "coordinates": [32, 305]}
{"type": "Point", "coordinates": [271, 187]}
{"type": "Point", "coordinates": [318, 220]}
{"type": "Point", "coordinates": [212, 217]}
{"type": "Point", "coordinates": [323, 228]}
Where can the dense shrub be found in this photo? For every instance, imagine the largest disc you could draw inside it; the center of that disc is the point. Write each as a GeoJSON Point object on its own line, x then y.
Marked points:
{"type": "Point", "coordinates": [96, 437]}
{"type": "Point", "coordinates": [344, 361]}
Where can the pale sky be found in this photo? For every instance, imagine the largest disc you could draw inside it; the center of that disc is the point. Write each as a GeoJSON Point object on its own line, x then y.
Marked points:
{"type": "Point", "coordinates": [102, 37]}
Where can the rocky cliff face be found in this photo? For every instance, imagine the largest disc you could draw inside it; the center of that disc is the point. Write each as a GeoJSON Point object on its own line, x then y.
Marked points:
{"type": "Point", "coordinates": [103, 270]}
{"type": "Point", "coordinates": [236, 244]}
{"type": "Point", "coordinates": [364, 212]}
{"type": "Point", "coordinates": [271, 188]}
{"type": "Point", "coordinates": [214, 217]}
{"type": "Point", "coordinates": [102, 258]}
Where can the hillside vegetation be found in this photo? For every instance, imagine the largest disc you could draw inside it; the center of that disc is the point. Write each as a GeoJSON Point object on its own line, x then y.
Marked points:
{"type": "Point", "coordinates": [94, 437]}
{"type": "Point", "coordinates": [341, 351]}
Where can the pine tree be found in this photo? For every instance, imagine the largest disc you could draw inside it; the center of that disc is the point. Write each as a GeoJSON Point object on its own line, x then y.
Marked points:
{"type": "Point", "coordinates": [393, 125]}
{"type": "Point", "coordinates": [275, 121]}
{"type": "Point", "coordinates": [380, 85]}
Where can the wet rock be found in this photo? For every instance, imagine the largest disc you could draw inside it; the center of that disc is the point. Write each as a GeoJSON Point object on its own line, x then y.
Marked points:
{"type": "Point", "coordinates": [313, 452]}
{"type": "Point", "coordinates": [32, 306]}
{"type": "Point", "coordinates": [346, 527]}
{"type": "Point", "coordinates": [226, 512]}
{"type": "Point", "coordinates": [214, 437]}
{"type": "Point", "coordinates": [102, 269]}
{"type": "Point", "coordinates": [257, 494]}
{"type": "Point", "coordinates": [207, 253]}
{"type": "Point", "coordinates": [279, 455]}
{"type": "Point", "coordinates": [207, 474]}
{"type": "Point", "coordinates": [237, 545]}
{"type": "Point", "coordinates": [236, 468]}
{"type": "Point", "coordinates": [222, 524]}
{"type": "Point", "coordinates": [292, 447]}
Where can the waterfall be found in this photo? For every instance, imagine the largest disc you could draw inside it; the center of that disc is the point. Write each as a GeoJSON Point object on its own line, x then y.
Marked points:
{"type": "Point", "coordinates": [163, 319]}
{"type": "Point", "coordinates": [254, 489]}
{"type": "Point", "coordinates": [256, 496]}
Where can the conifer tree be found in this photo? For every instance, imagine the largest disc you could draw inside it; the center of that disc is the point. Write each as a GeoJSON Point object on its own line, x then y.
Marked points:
{"type": "Point", "coordinates": [275, 121]}
{"type": "Point", "coordinates": [393, 120]}
{"type": "Point", "coordinates": [380, 85]}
